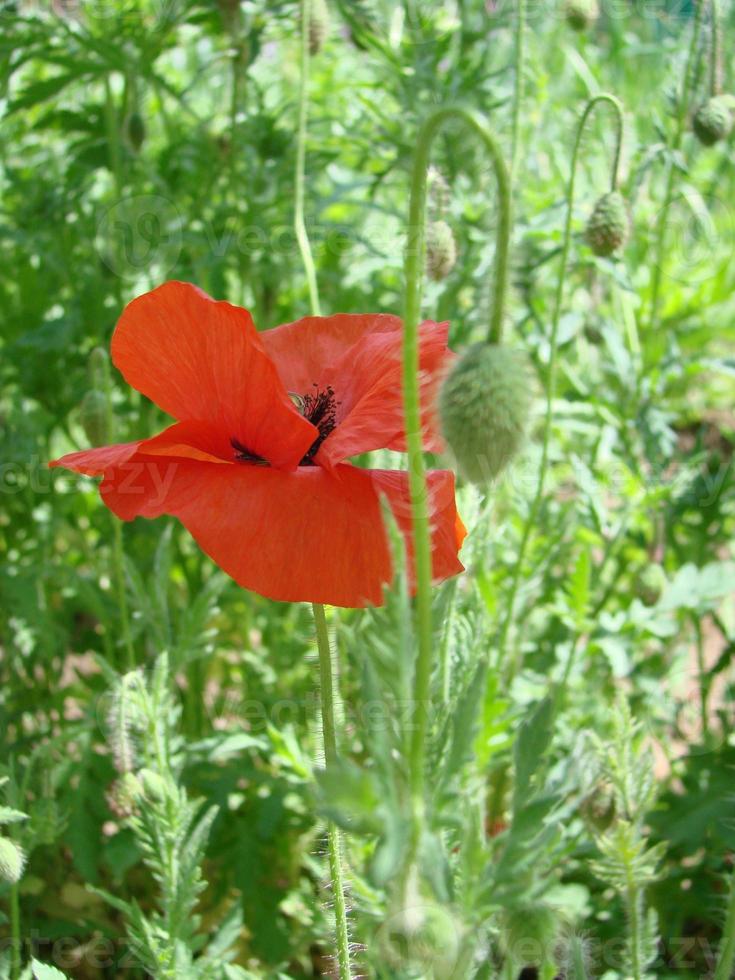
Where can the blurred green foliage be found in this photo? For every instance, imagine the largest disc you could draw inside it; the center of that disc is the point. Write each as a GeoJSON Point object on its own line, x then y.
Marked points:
{"type": "Point", "coordinates": [154, 139]}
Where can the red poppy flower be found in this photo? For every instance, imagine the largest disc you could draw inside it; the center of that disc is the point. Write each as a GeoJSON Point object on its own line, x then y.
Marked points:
{"type": "Point", "coordinates": [255, 465]}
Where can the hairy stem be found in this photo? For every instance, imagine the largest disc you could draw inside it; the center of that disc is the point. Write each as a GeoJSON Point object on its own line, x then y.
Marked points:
{"type": "Point", "coordinates": [413, 270]}
{"type": "Point", "coordinates": [329, 730]}
{"type": "Point", "coordinates": [326, 672]}
{"type": "Point", "coordinates": [15, 951]}
{"type": "Point", "coordinates": [602, 99]}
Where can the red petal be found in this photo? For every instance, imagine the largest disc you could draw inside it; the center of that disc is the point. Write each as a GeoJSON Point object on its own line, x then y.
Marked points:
{"type": "Point", "coordinates": [360, 357]}
{"type": "Point", "coordinates": [203, 361]}
{"type": "Point", "coordinates": [303, 536]}
{"type": "Point", "coordinates": [447, 530]}
{"type": "Point", "coordinates": [94, 462]}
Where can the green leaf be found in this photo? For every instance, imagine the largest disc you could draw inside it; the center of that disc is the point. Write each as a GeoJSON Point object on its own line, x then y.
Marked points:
{"type": "Point", "coordinates": [534, 739]}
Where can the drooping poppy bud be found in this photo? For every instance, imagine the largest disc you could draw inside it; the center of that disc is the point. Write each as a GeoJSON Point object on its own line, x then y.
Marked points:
{"type": "Point", "coordinates": [713, 121]}
{"type": "Point", "coordinates": [607, 228]}
{"type": "Point", "coordinates": [12, 861]}
{"type": "Point", "coordinates": [580, 14]}
{"type": "Point", "coordinates": [484, 407]}
{"type": "Point", "coordinates": [441, 250]}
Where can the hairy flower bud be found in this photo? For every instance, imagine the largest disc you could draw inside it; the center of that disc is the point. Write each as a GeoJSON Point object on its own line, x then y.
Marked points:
{"type": "Point", "coordinates": [441, 250]}
{"type": "Point", "coordinates": [607, 228]}
{"type": "Point", "coordinates": [135, 130]}
{"type": "Point", "coordinates": [580, 14]}
{"type": "Point", "coordinates": [154, 785]}
{"type": "Point", "coordinates": [318, 25]}
{"type": "Point", "coordinates": [12, 861]}
{"type": "Point", "coordinates": [713, 121]}
{"type": "Point", "coordinates": [484, 407]}
{"type": "Point", "coordinates": [94, 418]}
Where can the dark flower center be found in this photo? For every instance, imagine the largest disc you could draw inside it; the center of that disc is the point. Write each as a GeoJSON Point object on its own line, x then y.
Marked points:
{"type": "Point", "coordinates": [319, 408]}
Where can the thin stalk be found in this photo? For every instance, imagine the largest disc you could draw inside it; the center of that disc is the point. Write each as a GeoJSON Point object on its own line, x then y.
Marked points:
{"type": "Point", "coordinates": [299, 224]}
{"type": "Point", "coordinates": [329, 730]}
{"type": "Point", "coordinates": [715, 57]}
{"type": "Point", "coordinates": [118, 551]}
{"type": "Point", "coordinates": [15, 951]}
{"type": "Point", "coordinates": [726, 955]}
{"type": "Point", "coordinates": [681, 116]}
{"type": "Point", "coordinates": [520, 67]}
{"type": "Point", "coordinates": [606, 99]}
{"type": "Point", "coordinates": [326, 669]}
{"type": "Point", "coordinates": [633, 902]}
{"type": "Point", "coordinates": [414, 271]}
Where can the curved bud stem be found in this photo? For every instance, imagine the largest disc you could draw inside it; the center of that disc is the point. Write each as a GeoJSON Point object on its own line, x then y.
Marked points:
{"type": "Point", "coordinates": [602, 99]}
{"type": "Point", "coordinates": [414, 274]}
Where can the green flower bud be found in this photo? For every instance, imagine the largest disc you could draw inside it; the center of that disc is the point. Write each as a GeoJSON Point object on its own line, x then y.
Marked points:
{"type": "Point", "coordinates": [607, 228]}
{"type": "Point", "coordinates": [98, 365]}
{"type": "Point", "coordinates": [484, 408]}
{"type": "Point", "coordinates": [441, 250]}
{"type": "Point", "coordinates": [12, 861]}
{"type": "Point", "coordinates": [529, 934]}
{"type": "Point", "coordinates": [123, 795]}
{"type": "Point", "coordinates": [154, 785]}
{"type": "Point", "coordinates": [318, 25]}
{"type": "Point", "coordinates": [135, 130]}
{"type": "Point", "coordinates": [651, 584]}
{"type": "Point", "coordinates": [713, 120]}
{"type": "Point", "coordinates": [94, 418]}
{"type": "Point", "coordinates": [580, 14]}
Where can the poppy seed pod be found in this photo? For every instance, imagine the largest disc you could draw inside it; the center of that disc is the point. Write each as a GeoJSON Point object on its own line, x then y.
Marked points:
{"type": "Point", "coordinates": [441, 250]}
{"type": "Point", "coordinates": [135, 130]}
{"type": "Point", "coordinates": [713, 121]}
{"type": "Point", "coordinates": [484, 407]}
{"type": "Point", "coordinates": [607, 228]}
{"type": "Point", "coordinates": [580, 14]}
{"type": "Point", "coordinates": [12, 861]}
{"type": "Point", "coordinates": [318, 26]}
{"type": "Point", "coordinates": [94, 417]}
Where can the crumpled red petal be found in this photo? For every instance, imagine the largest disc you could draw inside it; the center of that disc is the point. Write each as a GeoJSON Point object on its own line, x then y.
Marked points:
{"type": "Point", "coordinates": [203, 361]}
{"type": "Point", "coordinates": [359, 356]}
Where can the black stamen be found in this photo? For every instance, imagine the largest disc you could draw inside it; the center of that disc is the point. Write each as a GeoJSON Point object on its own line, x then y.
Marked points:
{"type": "Point", "coordinates": [320, 408]}
{"type": "Point", "coordinates": [243, 455]}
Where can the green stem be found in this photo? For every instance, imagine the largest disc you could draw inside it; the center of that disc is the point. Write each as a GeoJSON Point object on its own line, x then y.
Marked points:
{"type": "Point", "coordinates": [681, 116]}
{"type": "Point", "coordinates": [326, 676]}
{"type": "Point", "coordinates": [602, 99]}
{"type": "Point", "coordinates": [413, 271]}
{"type": "Point", "coordinates": [633, 900]}
{"type": "Point", "coordinates": [715, 64]}
{"type": "Point", "coordinates": [726, 955]}
{"type": "Point", "coordinates": [299, 224]}
{"type": "Point", "coordinates": [15, 952]}
{"type": "Point", "coordinates": [520, 36]}
{"type": "Point", "coordinates": [330, 757]}
{"type": "Point", "coordinates": [118, 553]}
